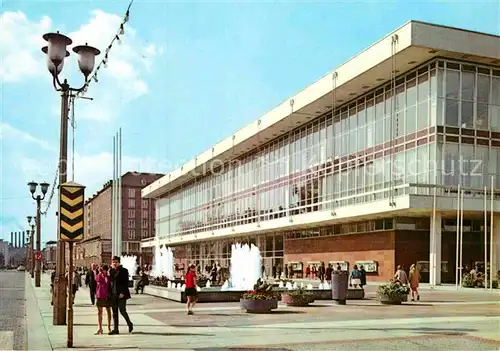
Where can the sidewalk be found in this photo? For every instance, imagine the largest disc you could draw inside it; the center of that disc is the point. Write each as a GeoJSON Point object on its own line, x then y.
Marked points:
{"type": "Point", "coordinates": [42, 335]}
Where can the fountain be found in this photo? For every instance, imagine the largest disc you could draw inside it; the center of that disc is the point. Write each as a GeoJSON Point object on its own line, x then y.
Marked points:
{"type": "Point", "coordinates": [246, 263]}
{"type": "Point", "coordinates": [129, 262]}
{"type": "Point", "coordinates": [163, 263]}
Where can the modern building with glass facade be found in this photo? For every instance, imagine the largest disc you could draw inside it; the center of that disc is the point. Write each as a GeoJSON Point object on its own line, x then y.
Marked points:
{"type": "Point", "coordinates": [364, 165]}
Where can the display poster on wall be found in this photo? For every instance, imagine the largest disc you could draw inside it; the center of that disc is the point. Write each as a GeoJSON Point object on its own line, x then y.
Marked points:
{"type": "Point", "coordinates": [344, 265]}
{"type": "Point", "coordinates": [296, 266]}
{"type": "Point", "coordinates": [369, 266]}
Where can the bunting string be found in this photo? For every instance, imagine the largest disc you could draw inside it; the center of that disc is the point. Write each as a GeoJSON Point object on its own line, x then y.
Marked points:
{"type": "Point", "coordinates": [104, 62]}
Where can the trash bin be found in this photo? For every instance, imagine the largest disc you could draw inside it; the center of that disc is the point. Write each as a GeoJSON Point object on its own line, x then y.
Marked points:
{"type": "Point", "coordinates": [340, 282]}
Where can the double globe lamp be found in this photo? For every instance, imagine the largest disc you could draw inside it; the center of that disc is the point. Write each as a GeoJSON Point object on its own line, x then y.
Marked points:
{"type": "Point", "coordinates": [56, 53]}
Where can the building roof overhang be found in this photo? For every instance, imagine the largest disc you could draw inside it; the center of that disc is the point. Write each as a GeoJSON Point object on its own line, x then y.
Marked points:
{"type": "Point", "coordinates": [417, 43]}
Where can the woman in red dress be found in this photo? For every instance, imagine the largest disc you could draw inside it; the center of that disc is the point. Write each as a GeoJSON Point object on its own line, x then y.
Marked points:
{"type": "Point", "coordinates": [191, 292]}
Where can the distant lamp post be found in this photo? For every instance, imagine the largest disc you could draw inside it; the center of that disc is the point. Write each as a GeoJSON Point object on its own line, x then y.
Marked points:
{"type": "Point", "coordinates": [33, 187]}
{"type": "Point", "coordinates": [31, 237]}
{"type": "Point", "coordinates": [56, 53]}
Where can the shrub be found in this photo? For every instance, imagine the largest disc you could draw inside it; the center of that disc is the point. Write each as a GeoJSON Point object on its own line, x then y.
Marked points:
{"type": "Point", "coordinates": [468, 281]}
{"type": "Point", "coordinates": [300, 295]}
{"type": "Point", "coordinates": [261, 291]}
{"type": "Point", "coordinates": [393, 291]}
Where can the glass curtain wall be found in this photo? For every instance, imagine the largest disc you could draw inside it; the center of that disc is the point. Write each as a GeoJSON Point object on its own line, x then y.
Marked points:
{"type": "Point", "coordinates": [354, 155]}
{"type": "Point", "coordinates": [469, 110]}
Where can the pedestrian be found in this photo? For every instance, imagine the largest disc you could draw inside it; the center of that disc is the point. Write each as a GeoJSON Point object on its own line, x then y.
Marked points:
{"type": "Point", "coordinates": [321, 272]}
{"type": "Point", "coordinates": [90, 281]}
{"type": "Point", "coordinates": [76, 282]}
{"type": "Point", "coordinates": [191, 292]}
{"type": "Point", "coordinates": [414, 281]}
{"type": "Point", "coordinates": [400, 276]}
{"type": "Point", "coordinates": [120, 293]}
{"type": "Point", "coordinates": [363, 275]}
{"type": "Point", "coordinates": [329, 271]}
{"type": "Point", "coordinates": [102, 293]}
{"type": "Point", "coordinates": [355, 277]}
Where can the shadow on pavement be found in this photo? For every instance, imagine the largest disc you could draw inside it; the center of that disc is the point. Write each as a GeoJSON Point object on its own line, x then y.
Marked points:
{"type": "Point", "coordinates": [95, 324]}
{"type": "Point", "coordinates": [171, 334]}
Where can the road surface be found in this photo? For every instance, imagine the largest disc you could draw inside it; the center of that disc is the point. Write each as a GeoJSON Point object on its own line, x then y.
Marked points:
{"type": "Point", "coordinates": [12, 310]}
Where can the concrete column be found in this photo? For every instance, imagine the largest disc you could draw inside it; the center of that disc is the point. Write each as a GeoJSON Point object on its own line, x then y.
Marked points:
{"type": "Point", "coordinates": [496, 245]}
{"type": "Point", "coordinates": [435, 250]}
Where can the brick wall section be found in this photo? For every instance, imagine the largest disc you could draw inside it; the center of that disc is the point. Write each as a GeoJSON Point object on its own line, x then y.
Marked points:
{"type": "Point", "coordinates": [377, 246]}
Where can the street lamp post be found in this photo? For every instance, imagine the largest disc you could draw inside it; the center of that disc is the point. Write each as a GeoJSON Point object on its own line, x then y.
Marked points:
{"type": "Point", "coordinates": [56, 53]}
{"type": "Point", "coordinates": [31, 237]}
{"type": "Point", "coordinates": [44, 187]}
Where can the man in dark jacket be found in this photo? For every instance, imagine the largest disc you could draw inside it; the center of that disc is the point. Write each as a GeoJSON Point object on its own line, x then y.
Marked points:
{"type": "Point", "coordinates": [120, 293]}
{"type": "Point", "coordinates": [90, 281]}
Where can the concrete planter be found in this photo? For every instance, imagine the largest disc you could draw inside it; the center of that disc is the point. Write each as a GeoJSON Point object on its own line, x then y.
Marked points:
{"type": "Point", "coordinates": [291, 300]}
{"type": "Point", "coordinates": [386, 300]}
{"type": "Point", "coordinates": [258, 306]}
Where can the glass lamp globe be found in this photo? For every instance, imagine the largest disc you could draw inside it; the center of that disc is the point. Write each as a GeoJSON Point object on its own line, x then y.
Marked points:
{"type": "Point", "coordinates": [50, 64]}
{"type": "Point", "coordinates": [45, 187]}
{"type": "Point", "coordinates": [86, 58]}
{"type": "Point", "coordinates": [57, 47]}
{"type": "Point", "coordinates": [32, 186]}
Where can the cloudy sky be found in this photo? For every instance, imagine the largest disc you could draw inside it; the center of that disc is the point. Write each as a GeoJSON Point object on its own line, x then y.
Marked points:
{"type": "Point", "coordinates": [186, 75]}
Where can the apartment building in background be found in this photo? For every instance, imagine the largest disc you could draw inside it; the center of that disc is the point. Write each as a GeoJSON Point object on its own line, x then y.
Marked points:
{"type": "Point", "coordinates": [138, 216]}
{"type": "Point", "coordinates": [50, 254]}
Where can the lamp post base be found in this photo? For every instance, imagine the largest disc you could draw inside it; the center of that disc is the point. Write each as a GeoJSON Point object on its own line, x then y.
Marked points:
{"type": "Point", "coordinates": [59, 301]}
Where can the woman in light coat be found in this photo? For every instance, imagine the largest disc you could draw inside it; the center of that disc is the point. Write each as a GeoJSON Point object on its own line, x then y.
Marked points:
{"type": "Point", "coordinates": [414, 280]}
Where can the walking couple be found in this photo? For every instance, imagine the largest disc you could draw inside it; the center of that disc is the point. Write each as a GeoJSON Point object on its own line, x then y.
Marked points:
{"type": "Point", "coordinates": [112, 293]}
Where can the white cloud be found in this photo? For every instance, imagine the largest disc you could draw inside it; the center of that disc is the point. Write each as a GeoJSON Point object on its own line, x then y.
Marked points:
{"type": "Point", "coordinates": [91, 170]}
{"type": "Point", "coordinates": [119, 83]}
{"type": "Point", "coordinates": [7, 132]}
{"type": "Point", "coordinates": [20, 43]}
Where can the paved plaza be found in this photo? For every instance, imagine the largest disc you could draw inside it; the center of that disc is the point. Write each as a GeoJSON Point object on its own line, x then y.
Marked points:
{"type": "Point", "coordinates": [442, 320]}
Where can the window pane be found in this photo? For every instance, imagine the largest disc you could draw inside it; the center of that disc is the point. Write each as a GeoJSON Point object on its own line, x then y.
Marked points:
{"type": "Point", "coordinates": [451, 112]}
{"type": "Point", "coordinates": [495, 93]}
{"type": "Point", "coordinates": [468, 80]}
{"type": "Point", "coordinates": [483, 88]}
{"type": "Point", "coordinates": [411, 92]}
{"type": "Point", "coordinates": [452, 83]}
{"type": "Point", "coordinates": [467, 114]}
{"type": "Point", "coordinates": [411, 116]}
{"type": "Point", "coordinates": [423, 113]}
{"type": "Point", "coordinates": [423, 87]}
{"type": "Point", "coordinates": [482, 116]}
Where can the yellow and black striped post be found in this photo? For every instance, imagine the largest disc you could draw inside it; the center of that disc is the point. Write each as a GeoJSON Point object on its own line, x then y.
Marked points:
{"type": "Point", "coordinates": [71, 217]}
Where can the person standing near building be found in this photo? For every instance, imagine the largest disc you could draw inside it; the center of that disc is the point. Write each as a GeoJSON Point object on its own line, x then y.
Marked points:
{"type": "Point", "coordinates": [76, 283]}
{"type": "Point", "coordinates": [329, 271]}
{"type": "Point", "coordinates": [400, 276]}
{"type": "Point", "coordinates": [355, 277]}
{"type": "Point", "coordinates": [414, 281]}
{"type": "Point", "coordinates": [90, 281]}
{"type": "Point", "coordinates": [191, 292]}
{"type": "Point", "coordinates": [321, 272]}
{"type": "Point", "coordinates": [120, 293]}
{"type": "Point", "coordinates": [103, 284]}
{"type": "Point", "coordinates": [363, 275]}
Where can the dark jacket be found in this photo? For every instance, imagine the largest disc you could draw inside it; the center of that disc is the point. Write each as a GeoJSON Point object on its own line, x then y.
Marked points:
{"type": "Point", "coordinates": [90, 279]}
{"type": "Point", "coordinates": [119, 282]}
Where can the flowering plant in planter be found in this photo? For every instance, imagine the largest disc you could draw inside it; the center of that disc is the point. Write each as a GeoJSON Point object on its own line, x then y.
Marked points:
{"type": "Point", "coordinates": [392, 293]}
{"type": "Point", "coordinates": [261, 291]}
